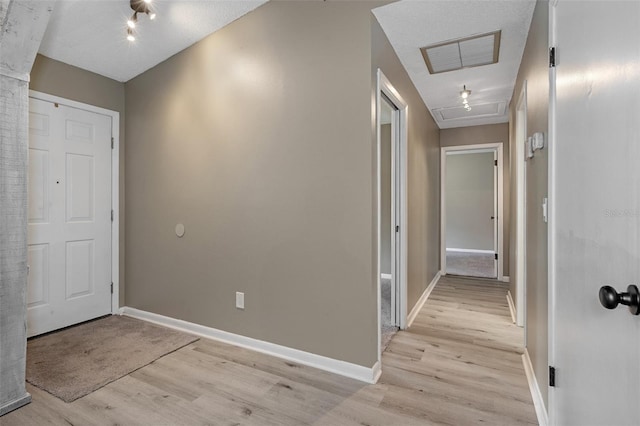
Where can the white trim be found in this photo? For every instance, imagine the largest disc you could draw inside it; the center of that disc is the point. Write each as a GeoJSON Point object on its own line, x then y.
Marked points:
{"type": "Point", "coordinates": [471, 151]}
{"type": "Point", "coordinates": [506, 278]}
{"type": "Point", "coordinates": [15, 404]}
{"type": "Point", "coordinates": [512, 307]}
{"type": "Point", "coordinates": [554, 403]}
{"type": "Point", "coordinates": [386, 276]}
{"type": "Point", "coordinates": [400, 272]}
{"type": "Point", "coordinates": [444, 151]}
{"type": "Point", "coordinates": [17, 75]}
{"type": "Point", "coordinates": [462, 250]}
{"type": "Point", "coordinates": [521, 215]}
{"type": "Point", "coordinates": [538, 402]}
{"type": "Point", "coordinates": [343, 368]}
{"type": "Point", "coordinates": [115, 183]}
{"type": "Point", "coordinates": [423, 299]}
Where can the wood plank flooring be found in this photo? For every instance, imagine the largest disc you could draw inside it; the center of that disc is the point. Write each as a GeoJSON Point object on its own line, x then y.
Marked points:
{"type": "Point", "coordinates": [459, 364]}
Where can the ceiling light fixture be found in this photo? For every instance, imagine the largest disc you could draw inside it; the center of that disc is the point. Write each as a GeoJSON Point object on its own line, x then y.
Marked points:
{"type": "Point", "coordinates": [131, 23]}
{"type": "Point", "coordinates": [465, 92]}
{"type": "Point", "coordinates": [138, 6]}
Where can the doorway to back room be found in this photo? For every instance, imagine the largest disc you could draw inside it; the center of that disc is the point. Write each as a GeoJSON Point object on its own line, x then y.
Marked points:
{"type": "Point", "coordinates": [471, 209]}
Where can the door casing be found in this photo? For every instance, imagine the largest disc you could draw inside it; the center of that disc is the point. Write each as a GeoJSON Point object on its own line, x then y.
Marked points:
{"type": "Point", "coordinates": [400, 215]}
{"type": "Point", "coordinates": [497, 146]}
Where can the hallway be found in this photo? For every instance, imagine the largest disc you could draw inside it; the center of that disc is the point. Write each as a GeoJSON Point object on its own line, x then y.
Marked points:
{"type": "Point", "coordinates": [464, 354]}
{"type": "Point", "coordinates": [460, 363]}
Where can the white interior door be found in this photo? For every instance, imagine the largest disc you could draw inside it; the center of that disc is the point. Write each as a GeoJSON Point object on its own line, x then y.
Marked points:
{"type": "Point", "coordinates": [69, 230]}
{"type": "Point", "coordinates": [596, 219]}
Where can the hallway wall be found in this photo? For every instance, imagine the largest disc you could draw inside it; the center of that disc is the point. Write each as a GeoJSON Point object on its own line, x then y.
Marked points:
{"type": "Point", "coordinates": [258, 139]}
{"type": "Point", "coordinates": [490, 133]}
{"type": "Point", "coordinates": [534, 70]}
{"type": "Point", "coordinates": [423, 184]}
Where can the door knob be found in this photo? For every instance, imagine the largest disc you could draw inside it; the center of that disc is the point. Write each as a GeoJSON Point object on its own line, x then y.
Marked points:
{"type": "Point", "coordinates": [610, 298]}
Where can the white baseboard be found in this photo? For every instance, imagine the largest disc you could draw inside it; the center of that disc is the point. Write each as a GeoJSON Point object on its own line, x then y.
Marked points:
{"type": "Point", "coordinates": [506, 278]}
{"type": "Point", "coordinates": [354, 371]}
{"type": "Point", "coordinates": [538, 402]}
{"type": "Point", "coordinates": [423, 299]}
{"type": "Point", "coordinates": [512, 306]}
{"type": "Point", "coordinates": [15, 404]}
{"type": "Point", "coordinates": [471, 250]}
{"type": "Point", "coordinates": [386, 276]}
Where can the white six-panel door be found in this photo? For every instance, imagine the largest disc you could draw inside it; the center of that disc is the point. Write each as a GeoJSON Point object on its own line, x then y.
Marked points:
{"type": "Point", "coordinates": [69, 216]}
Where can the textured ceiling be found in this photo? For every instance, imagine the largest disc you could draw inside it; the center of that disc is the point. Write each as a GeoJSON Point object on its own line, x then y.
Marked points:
{"type": "Point", "coordinates": [412, 24]}
{"type": "Point", "coordinates": [91, 34]}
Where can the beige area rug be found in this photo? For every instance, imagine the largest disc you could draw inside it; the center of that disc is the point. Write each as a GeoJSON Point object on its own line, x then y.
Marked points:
{"type": "Point", "coordinates": [76, 361]}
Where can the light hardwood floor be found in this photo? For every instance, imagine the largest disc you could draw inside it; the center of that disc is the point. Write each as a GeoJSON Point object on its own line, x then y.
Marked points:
{"type": "Point", "coordinates": [459, 364]}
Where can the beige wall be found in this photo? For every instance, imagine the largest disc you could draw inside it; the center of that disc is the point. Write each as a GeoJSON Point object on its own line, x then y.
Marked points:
{"type": "Point", "coordinates": [59, 79]}
{"type": "Point", "coordinates": [259, 140]}
{"type": "Point", "coordinates": [423, 184]}
{"type": "Point", "coordinates": [470, 202]}
{"type": "Point", "coordinates": [490, 133]}
{"type": "Point", "coordinates": [534, 70]}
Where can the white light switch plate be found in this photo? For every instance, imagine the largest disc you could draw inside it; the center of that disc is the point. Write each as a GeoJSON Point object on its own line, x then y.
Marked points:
{"type": "Point", "coordinates": [239, 300]}
{"type": "Point", "coordinates": [545, 210]}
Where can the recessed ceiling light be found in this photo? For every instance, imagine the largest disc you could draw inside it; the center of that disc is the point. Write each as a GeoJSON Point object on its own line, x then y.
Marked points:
{"type": "Point", "coordinates": [472, 51]}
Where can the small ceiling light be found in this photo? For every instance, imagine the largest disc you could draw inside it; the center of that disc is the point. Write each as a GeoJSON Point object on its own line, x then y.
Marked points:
{"type": "Point", "coordinates": [131, 23]}
{"type": "Point", "coordinates": [465, 92]}
{"type": "Point", "coordinates": [467, 107]}
{"type": "Point", "coordinates": [138, 6]}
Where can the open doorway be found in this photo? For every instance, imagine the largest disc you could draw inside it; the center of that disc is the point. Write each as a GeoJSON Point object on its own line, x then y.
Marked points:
{"type": "Point", "coordinates": [471, 211]}
{"type": "Point", "coordinates": [392, 216]}
{"type": "Point", "coordinates": [388, 212]}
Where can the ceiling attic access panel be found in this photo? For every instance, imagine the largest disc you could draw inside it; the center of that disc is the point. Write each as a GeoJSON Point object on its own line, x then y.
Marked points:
{"type": "Point", "coordinates": [467, 52]}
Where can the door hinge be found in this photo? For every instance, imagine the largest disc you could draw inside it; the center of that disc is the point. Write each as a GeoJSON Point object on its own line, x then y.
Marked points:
{"type": "Point", "coordinates": [496, 256]}
{"type": "Point", "coordinates": [495, 162]}
{"type": "Point", "coordinates": [552, 57]}
{"type": "Point", "coordinates": [397, 228]}
{"type": "Point", "coordinates": [111, 288]}
{"type": "Point", "coordinates": [112, 143]}
{"type": "Point", "coordinates": [552, 376]}
{"type": "Point", "coordinates": [111, 215]}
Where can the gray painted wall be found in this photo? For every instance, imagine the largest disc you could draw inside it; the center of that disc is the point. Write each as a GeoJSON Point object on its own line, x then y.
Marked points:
{"type": "Point", "coordinates": [69, 82]}
{"type": "Point", "coordinates": [490, 133]}
{"type": "Point", "coordinates": [424, 170]}
{"type": "Point", "coordinates": [535, 70]}
{"type": "Point", "coordinates": [470, 201]}
{"type": "Point", "coordinates": [259, 140]}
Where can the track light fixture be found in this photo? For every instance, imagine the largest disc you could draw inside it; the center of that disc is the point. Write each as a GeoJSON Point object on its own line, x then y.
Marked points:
{"type": "Point", "coordinates": [465, 92]}
{"type": "Point", "coordinates": [138, 6]}
{"type": "Point", "coordinates": [465, 97]}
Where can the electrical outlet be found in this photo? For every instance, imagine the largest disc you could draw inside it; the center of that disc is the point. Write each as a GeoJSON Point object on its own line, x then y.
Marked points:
{"type": "Point", "coordinates": [239, 300]}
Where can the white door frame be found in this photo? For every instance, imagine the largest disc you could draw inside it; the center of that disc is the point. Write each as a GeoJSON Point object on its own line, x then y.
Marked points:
{"type": "Point", "coordinates": [385, 87]}
{"type": "Point", "coordinates": [486, 147]}
{"type": "Point", "coordinates": [520, 169]}
{"type": "Point", "coordinates": [551, 222]}
{"type": "Point", "coordinates": [115, 180]}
